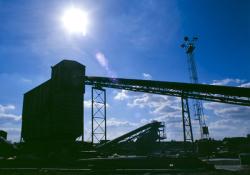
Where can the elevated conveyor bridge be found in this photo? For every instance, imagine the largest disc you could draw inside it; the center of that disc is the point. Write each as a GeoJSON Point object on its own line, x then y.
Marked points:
{"type": "Point", "coordinates": [222, 94]}
{"type": "Point", "coordinates": [213, 93]}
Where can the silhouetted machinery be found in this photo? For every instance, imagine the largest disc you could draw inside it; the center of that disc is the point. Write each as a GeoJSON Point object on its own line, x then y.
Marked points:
{"type": "Point", "coordinates": [142, 139]}
{"type": "Point", "coordinates": [3, 134]}
{"type": "Point", "coordinates": [6, 147]}
{"type": "Point", "coordinates": [53, 111]}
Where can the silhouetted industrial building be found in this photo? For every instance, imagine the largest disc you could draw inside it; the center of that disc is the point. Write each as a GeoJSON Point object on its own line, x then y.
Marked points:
{"type": "Point", "coordinates": [53, 111]}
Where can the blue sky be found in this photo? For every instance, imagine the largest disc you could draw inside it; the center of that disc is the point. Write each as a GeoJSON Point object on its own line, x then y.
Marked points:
{"type": "Point", "coordinates": [131, 39]}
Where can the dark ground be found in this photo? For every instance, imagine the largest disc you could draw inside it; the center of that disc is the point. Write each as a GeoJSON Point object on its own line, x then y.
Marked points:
{"type": "Point", "coordinates": [139, 172]}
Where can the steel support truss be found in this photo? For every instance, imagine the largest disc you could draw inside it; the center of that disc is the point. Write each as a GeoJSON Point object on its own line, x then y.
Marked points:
{"type": "Point", "coordinates": [98, 114]}
{"type": "Point", "coordinates": [221, 94]}
{"type": "Point", "coordinates": [186, 120]}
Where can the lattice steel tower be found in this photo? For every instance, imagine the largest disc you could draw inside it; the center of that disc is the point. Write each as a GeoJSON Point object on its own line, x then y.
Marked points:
{"type": "Point", "coordinates": [189, 46]}
{"type": "Point", "coordinates": [98, 113]}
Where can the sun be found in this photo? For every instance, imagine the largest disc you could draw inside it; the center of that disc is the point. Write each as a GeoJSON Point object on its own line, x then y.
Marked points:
{"type": "Point", "coordinates": [75, 21]}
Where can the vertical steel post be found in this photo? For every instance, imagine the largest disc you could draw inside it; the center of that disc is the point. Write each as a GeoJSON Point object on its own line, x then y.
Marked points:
{"type": "Point", "coordinates": [105, 116]}
{"type": "Point", "coordinates": [187, 125]}
{"type": "Point", "coordinates": [92, 115]}
{"type": "Point", "coordinates": [83, 120]}
{"type": "Point", "coordinates": [98, 113]}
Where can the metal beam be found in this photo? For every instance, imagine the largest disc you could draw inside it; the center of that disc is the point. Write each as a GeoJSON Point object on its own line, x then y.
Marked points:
{"type": "Point", "coordinates": [98, 114]}
{"type": "Point", "coordinates": [186, 121]}
{"type": "Point", "coordinates": [222, 94]}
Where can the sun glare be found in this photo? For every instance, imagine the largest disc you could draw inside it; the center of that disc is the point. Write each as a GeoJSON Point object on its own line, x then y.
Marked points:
{"type": "Point", "coordinates": [75, 21]}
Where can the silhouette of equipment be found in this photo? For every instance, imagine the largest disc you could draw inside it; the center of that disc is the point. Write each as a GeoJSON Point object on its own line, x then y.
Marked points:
{"type": "Point", "coordinates": [147, 135]}
{"type": "Point", "coordinates": [53, 111]}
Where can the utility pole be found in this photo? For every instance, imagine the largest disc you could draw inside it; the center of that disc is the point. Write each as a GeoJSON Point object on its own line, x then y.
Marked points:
{"type": "Point", "coordinates": [189, 46]}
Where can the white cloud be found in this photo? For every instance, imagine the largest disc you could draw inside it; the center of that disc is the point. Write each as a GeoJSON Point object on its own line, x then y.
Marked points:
{"type": "Point", "coordinates": [159, 105]}
{"type": "Point", "coordinates": [231, 120]}
{"type": "Point", "coordinates": [117, 127]}
{"type": "Point", "coordinates": [120, 123]}
{"type": "Point", "coordinates": [10, 122]}
{"type": "Point", "coordinates": [162, 108]}
{"type": "Point", "coordinates": [6, 108]}
{"type": "Point", "coordinates": [122, 95]}
{"type": "Point", "coordinates": [9, 117]}
{"type": "Point", "coordinates": [88, 103]}
{"type": "Point", "coordinates": [227, 81]}
{"type": "Point", "coordinates": [168, 110]}
{"type": "Point", "coordinates": [26, 80]}
{"type": "Point", "coordinates": [247, 85]}
{"type": "Point", "coordinates": [224, 124]}
{"type": "Point", "coordinates": [140, 101]}
{"type": "Point", "coordinates": [228, 111]}
{"type": "Point", "coordinates": [229, 128]}
{"type": "Point", "coordinates": [147, 76]}
{"type": "Point", "coordinates": [6, 116]}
